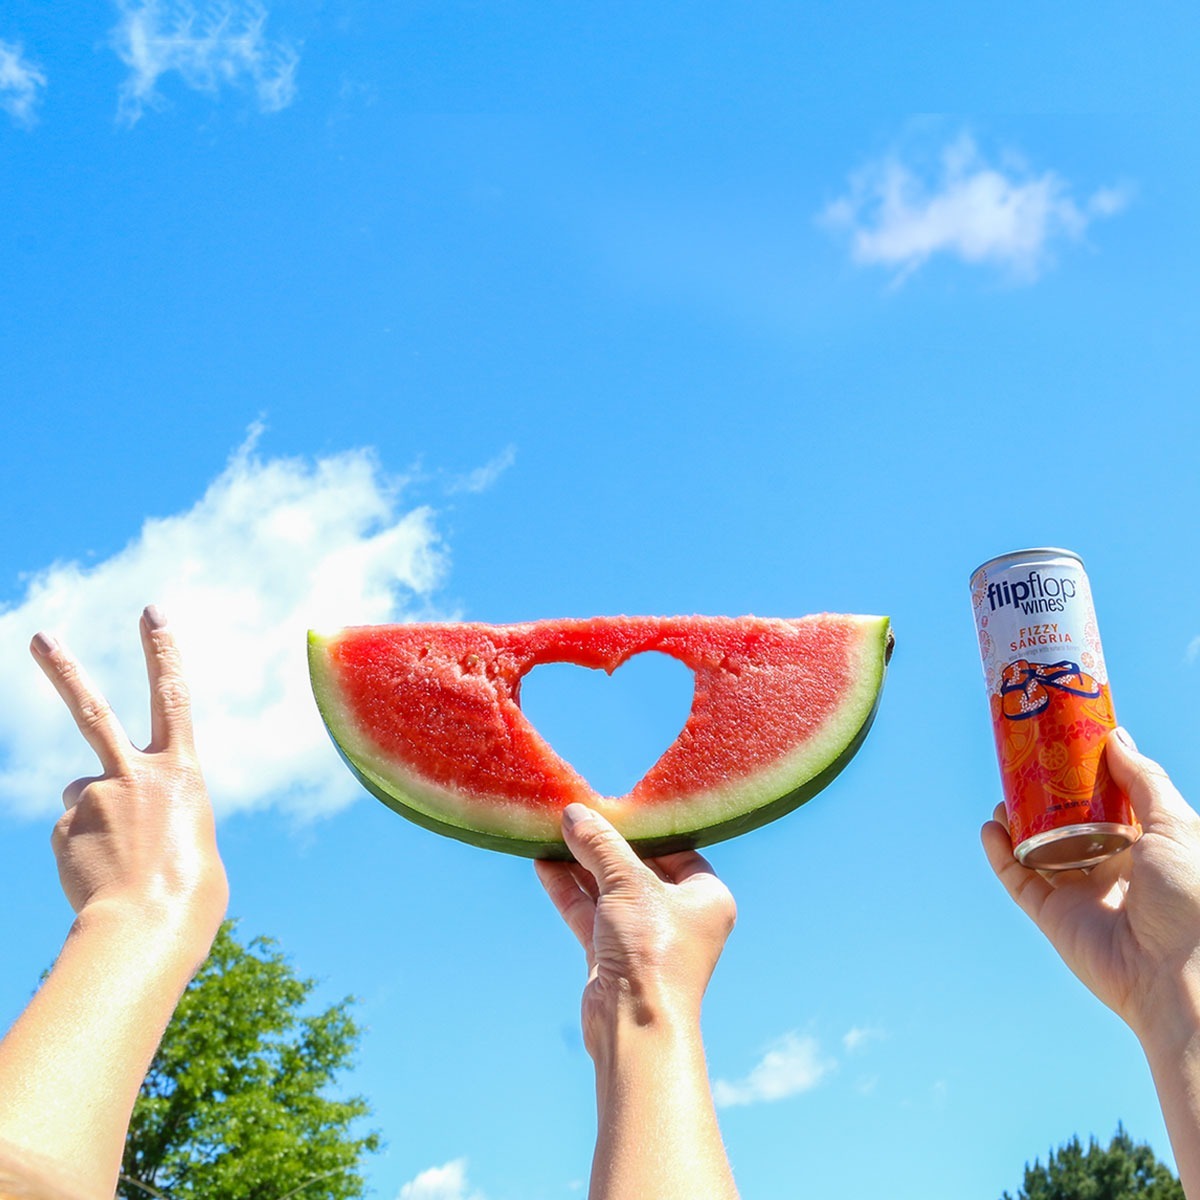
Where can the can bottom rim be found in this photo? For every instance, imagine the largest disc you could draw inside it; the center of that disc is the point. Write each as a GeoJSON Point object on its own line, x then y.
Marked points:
{"type": "Point", "coordinates": [1075, 846]}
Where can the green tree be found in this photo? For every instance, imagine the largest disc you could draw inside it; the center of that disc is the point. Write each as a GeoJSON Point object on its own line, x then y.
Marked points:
{"type": "Point", "coordinates": [237, 1102]}
{"type": "Point", "coordinates": [1126, 1170]}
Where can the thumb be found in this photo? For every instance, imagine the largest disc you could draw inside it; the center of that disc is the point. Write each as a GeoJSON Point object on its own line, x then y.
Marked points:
{"type": "Point", "coordinates": [1149, 788]}
{"type": "Point", "coordinates": [597, 846]}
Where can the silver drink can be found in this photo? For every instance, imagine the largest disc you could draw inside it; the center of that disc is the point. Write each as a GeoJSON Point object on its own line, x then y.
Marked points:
{"type": "Point", "coordinates": [1051, 709]}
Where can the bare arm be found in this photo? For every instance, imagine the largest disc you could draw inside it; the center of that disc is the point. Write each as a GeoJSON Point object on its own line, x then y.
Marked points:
{"type": "Point", "coordinates": [1130, 930]}
{"type": "Point", "coordinates": [137, 858]}
{"type": "Point", "coordinates": [653, 932]}
{"type": "Point", "coordinates": [23, 1177]}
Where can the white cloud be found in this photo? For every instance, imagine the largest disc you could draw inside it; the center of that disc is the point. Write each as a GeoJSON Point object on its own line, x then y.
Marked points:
{"type": "Point", "coordinates": [1192, 654]}
{"type": "Point", "coordinates": [968, 208]}
{"type": "Point", "coordinates": [440, 1183]}
{"type": "Point", "coordinates": [858, 1036]}
{"type": "Point", "coordinates": [482, 478]}
{"type": "Point", "coordinates": [21, 83]}
{"type": "Point", "coordinates": [210, 45]}
{"type": "Point", "coordinates": [791, 1065]}
{"type": "Point", "coordinates": [272, 548]}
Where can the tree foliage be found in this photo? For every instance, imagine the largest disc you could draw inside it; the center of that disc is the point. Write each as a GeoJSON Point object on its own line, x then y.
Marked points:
{"type": "Point", "coordinates": [239, 1100]}
{"type": "Point", "coordinates": [1124, 1171]}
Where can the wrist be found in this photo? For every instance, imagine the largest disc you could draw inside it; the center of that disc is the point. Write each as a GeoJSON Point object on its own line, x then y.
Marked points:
{"type": "Point", "coordinates": [153, 932]}
{"type": "Point", "coordinates": [638, 1023]}
{"type": "Point", "coordinates": [1169, 1030]}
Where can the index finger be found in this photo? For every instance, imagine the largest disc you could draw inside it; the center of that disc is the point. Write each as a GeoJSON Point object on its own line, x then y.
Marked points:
{"type": "Point", "coordinates": [682, 865]}
{"type": "Point", "coordinates": [92, 713]}
{"type": "Point", "coordinates": [170, 701]}
{"type": "Point", "coordinates": [576, 907]}
{"type": "Point", "coordinates": [1028, 889]}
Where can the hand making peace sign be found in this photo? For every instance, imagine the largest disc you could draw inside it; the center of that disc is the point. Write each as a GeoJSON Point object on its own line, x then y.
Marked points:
{"type": "Point", "coordinates": [141, 833]}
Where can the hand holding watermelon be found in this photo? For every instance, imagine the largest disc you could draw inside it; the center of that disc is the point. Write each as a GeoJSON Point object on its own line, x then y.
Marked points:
{"type": "Point", "coordinates": [652, 931]}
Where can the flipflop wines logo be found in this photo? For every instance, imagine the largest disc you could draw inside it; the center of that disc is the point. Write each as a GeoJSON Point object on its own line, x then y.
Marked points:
{"type": "Point", "coordinates": [1037, 592]}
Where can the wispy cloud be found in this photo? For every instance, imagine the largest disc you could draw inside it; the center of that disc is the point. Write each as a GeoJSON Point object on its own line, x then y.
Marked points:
{"type": "Point", "coordinates": [1004, 215]}
{"type": "Point", "coordinates": [856, 1038]}
{"type": "Point", "coordinates": [448, 1182]}
{"type": "Point", "coordinates": [1192, 654]}
{"type": "Point", "coordinates": [21, 84]}
{"type": "Point", "coordinates": [273, 547]}
{"type": "Point", "coordinates": [791, 1065]}
{"type": "Point", "coordinates": [483, 477]}
{"type": "Point", "coordinates": [210, 45]}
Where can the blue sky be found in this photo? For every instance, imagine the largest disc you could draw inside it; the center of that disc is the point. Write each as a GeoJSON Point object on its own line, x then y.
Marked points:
{"type": "Point", "coordinates": [320, 313]}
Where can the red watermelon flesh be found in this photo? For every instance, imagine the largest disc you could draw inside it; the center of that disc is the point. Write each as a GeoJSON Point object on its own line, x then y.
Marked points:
{"type": "Point", "coordinates": [428, 716]}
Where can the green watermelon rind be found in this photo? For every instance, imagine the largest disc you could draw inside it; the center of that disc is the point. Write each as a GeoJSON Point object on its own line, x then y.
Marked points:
{"type": "Point", "coordinates": [751, 802]}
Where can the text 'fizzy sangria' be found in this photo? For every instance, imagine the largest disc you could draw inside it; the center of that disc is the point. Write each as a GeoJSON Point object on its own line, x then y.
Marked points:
{"type": "Point", "coordinates": [1051, 709]}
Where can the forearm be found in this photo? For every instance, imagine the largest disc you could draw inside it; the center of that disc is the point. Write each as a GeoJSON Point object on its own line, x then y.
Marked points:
{"type": "Point", "coordinates": [71, 1066]}
{"type": "Point", "coordinates": [31, 1177]}
{"type": "Point", "coordinates": [658, 1135]}
{"type": "Point", "coordinates": [1172, 1048]}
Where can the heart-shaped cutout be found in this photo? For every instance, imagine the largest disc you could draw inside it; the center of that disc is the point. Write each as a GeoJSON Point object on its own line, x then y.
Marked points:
{"type": "Point", "coordinates": [611, 728]}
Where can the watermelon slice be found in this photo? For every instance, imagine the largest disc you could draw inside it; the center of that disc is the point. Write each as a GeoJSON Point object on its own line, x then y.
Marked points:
{"type": "Point", "coordinates": [428, 717]}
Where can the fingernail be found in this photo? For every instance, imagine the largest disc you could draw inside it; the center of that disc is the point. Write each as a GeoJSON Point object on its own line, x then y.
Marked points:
{"type": "Point", "coordinates": [154, 616]}
{"type": "Point", "coordinates": [575, 814]}
{"type": "Point", "coordinates": [1122, 735]}
{"type": "Point", "coordinates": [44, 644]}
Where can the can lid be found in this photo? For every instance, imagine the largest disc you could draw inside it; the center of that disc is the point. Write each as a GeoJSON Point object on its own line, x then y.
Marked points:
{"type": "Point", "coordinates": [1031, 554]}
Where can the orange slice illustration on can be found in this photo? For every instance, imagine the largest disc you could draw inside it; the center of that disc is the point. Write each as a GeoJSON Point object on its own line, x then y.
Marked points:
{"type": "Point", "coordinates": [1015, 740]}
{"type": "Point", "coordinates": [1026, 688]}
